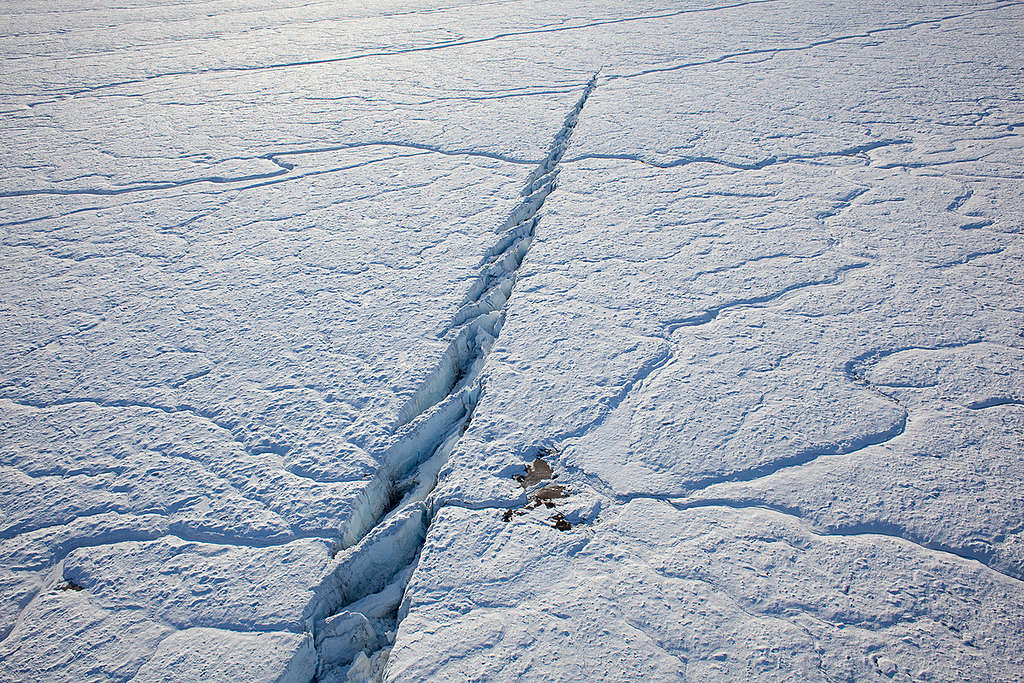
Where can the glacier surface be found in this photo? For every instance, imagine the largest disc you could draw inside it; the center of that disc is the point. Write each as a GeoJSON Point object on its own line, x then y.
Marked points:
{"type": "Point", "coordinates": [512, 340]}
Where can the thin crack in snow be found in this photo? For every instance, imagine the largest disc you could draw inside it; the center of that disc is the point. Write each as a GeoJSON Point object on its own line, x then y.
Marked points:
{"type": "Point", "coordinates": [246, 68]}
{"type": "Point", "coordinates": [890, 531]}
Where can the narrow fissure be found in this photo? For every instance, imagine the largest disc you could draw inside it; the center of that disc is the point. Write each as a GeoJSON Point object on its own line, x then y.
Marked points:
{"type": "Point", "coordinates": [355, 614]}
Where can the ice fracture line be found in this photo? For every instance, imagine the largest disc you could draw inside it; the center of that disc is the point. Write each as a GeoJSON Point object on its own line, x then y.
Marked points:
{"type": "Point", "coordinates": [357, 607]}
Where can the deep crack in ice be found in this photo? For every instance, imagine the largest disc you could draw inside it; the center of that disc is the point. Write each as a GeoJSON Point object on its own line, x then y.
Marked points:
{"type": "Point", "coordinates": [358, 608]}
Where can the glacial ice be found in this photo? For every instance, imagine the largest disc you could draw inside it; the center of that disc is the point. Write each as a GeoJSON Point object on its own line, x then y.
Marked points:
{"type": "Point", "coordinates": [295, 293]}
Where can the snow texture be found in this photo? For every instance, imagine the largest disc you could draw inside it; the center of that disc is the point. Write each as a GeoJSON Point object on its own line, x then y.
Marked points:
{"type": "Point", "coordinates": [511, 340]}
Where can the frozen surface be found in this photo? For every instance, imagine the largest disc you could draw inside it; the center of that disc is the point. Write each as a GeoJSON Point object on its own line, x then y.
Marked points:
{"type": "Point", "coordinates": [294, 292]}
{"type": "Point", "coordinates": [658, 593]}
{"type": "Point", "coordinates": [774, 293]}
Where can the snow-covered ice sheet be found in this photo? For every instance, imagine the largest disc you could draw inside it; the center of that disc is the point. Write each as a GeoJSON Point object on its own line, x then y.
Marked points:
{"type": "Point", "coordinates": [222, 282]}
{"type": "Point", "coordinates": [777, 287]}
{"type": "Point", "coordinates": [659, 593]}
{"type": "Point", "coordinates": [746, 276]}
